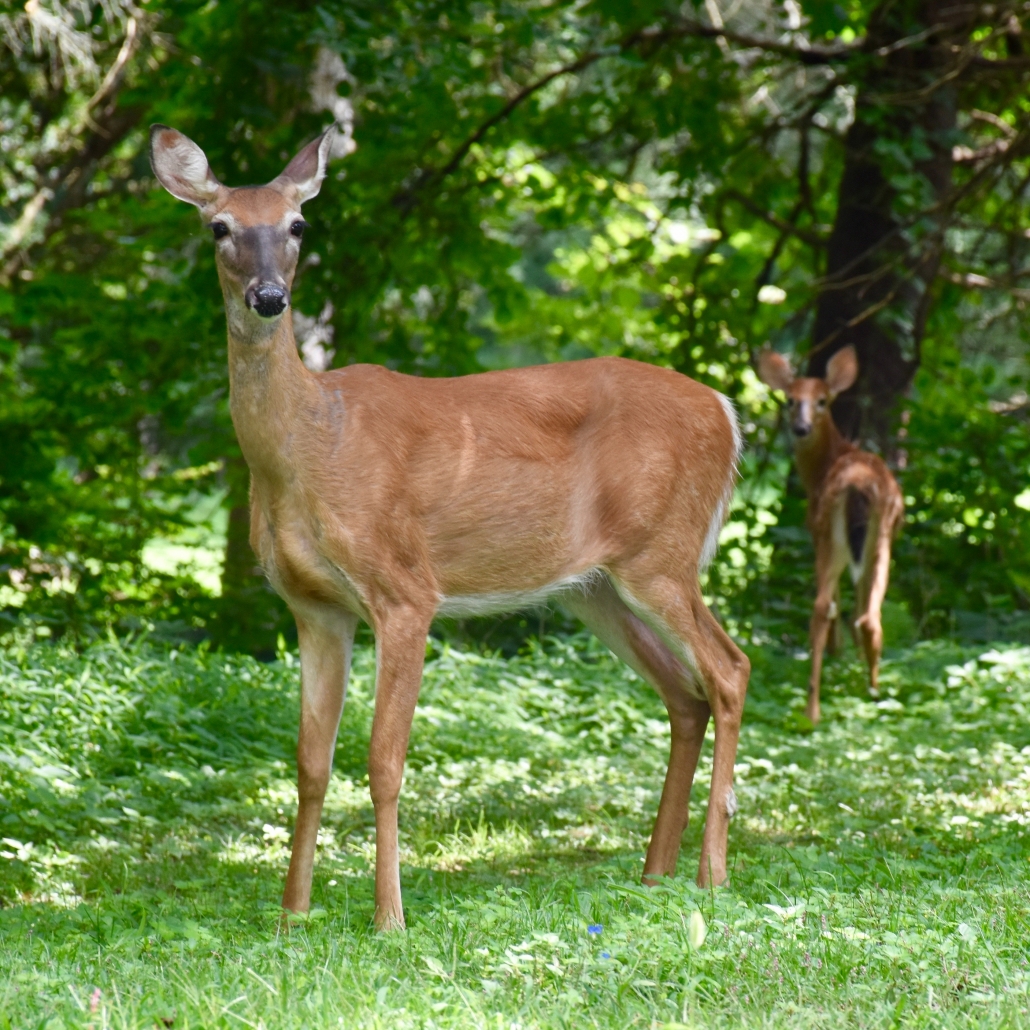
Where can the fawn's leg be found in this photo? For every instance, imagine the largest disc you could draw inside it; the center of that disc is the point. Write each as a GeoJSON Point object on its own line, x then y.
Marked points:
{"type": "Point", "coordinates": [326, 640]}
{"type": "Point", "coordinates": [833, 640]}
{"type": "Point", "coordinates": [830, 562]}
{"type": "Point", "coordinates": [872, 588]}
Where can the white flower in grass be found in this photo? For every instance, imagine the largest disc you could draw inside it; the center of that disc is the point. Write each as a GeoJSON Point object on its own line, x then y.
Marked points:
{"type": "Point", "coordinates": [697, 931]}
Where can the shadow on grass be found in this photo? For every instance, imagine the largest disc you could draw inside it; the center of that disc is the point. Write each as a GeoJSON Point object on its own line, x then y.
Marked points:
{"type": "Point", "coordinates": [139, 771]}
{"type": "Point", "coordinates": [877, 861]}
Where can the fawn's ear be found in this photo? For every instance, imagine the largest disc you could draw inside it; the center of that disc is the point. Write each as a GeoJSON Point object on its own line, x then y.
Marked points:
{"type": "Point", "coordinates": [304, 174]}
{"type": "Point", "coordinates": [774, 370]}
{"type": "Point", "coordinates": [841, 370]}
{"type": "Point", "coordinates": [181, 167]}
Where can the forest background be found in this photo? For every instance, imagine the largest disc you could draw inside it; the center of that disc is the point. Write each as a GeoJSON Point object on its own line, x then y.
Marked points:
{"type": "Point", "coordinates": [532, 181]}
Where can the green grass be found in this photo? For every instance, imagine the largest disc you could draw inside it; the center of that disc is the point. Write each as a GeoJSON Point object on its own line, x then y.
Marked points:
{"type": "Point", "coordinates": [879, 864]}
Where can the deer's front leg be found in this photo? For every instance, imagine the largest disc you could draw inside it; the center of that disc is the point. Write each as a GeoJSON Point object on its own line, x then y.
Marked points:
{"type": "Point", "coordinates": [818, 631]}
{"type": "Point", "coordinates": [326, 640]}
{"type": "Point", "coordinates": [833, 642]}
{"type": "Point", "coordinates": [400, 652]}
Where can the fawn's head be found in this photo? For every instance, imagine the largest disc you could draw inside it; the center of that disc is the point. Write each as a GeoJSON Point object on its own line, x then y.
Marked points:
{"type": "Point", "coordinates": [809, 398]}
{"type": "Point", "coordinates": [257, 229]}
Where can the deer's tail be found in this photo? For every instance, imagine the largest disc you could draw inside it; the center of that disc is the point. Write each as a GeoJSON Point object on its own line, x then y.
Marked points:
{"type": "Point", "coordinates": [722, 507]}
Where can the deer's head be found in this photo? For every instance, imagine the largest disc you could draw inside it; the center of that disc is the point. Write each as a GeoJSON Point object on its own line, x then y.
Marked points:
{"type": "Point", "coordinates": [257, 229]}
{"type": "Point", "coordinates": [809, 398]}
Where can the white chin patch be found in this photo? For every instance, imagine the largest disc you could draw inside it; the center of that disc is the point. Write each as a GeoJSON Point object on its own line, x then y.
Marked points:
{"type": "Point", "coordinates": [731, 804]}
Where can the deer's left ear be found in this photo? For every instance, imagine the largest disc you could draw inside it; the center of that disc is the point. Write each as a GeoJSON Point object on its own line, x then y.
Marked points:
{"type": "Point", "coordinates": [841, 370]}
{"type": "Point", "coordinates": [304, 174]}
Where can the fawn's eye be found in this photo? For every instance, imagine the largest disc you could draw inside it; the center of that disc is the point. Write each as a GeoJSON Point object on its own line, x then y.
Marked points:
{"type": "Point", "coordinates": [297, 229]}
{"type": "Point", "coordinates": [822, 403]}
{"type": "Point", "coordinates": [219, 229]}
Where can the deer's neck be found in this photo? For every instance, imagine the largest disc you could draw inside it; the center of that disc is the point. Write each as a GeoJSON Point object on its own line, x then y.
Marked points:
{"type": "Point", "coordinates": [270, 392]}
{"type": "Point", "coordinates": [816, 453]}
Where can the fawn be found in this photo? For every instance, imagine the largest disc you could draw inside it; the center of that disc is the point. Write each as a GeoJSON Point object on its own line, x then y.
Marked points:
{"type": "Point", "coordinates": [855, 508]}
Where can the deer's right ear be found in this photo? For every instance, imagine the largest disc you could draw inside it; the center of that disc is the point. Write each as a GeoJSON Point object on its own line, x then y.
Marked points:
{"type": "Point", "coordinates": [181, 167]}
{"type": "Point", "coordinates": [774, 370]}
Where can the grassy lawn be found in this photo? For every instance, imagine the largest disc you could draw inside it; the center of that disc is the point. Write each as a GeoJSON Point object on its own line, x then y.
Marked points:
{"type": "Point", "coordinates": [879, 864]}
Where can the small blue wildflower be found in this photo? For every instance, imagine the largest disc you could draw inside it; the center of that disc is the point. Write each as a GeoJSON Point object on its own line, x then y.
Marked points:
{"type": "Point", "coordinates": [604, 954]}
{"type": "Point", "coordinates": [594, 929]}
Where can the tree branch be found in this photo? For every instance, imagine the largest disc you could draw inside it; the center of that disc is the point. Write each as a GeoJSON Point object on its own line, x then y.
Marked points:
{"type": "Point", "coordinates": [654, 35]}
{"type": "Point", "coordinates": [975, 281]}
{"type": "Point", "coordinates": [113, 79]}
{"type": "Point", "coordinates": [23, 225]}
{"type": "Point", "coordinates": [811, 238]}
{"type": "Point", "coordinates": [89, 139]}
{"type": "Point", "coordinates": [806, 54]}
{"type": "Point", "coordinates": [524, 94]}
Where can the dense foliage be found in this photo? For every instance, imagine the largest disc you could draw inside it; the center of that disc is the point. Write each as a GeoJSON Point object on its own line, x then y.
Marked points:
{"type": "Point", "coordinates": [531, 182]}
{"type": "Point", "coordinates": [878, 863]}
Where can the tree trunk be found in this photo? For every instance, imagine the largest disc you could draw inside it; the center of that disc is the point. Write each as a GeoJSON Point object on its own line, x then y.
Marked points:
{"type": "Point", "coordinates": [240, 564]}
{"type": "Point", "coordinates": [882, 261]}
{"type": "Point", "coordinates": [249, 613]}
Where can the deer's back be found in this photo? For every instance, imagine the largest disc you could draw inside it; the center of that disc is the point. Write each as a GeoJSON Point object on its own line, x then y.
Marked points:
{"type": "Point", "coordinates": [507, 480]}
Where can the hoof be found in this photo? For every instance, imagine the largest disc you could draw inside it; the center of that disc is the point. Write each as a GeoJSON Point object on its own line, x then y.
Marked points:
{"type": "Point", "coordinates": [389, 923]}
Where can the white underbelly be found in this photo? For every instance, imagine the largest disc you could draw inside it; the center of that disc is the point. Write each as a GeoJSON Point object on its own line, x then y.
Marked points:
{"type": "Point", "coordinates": [510, 601]}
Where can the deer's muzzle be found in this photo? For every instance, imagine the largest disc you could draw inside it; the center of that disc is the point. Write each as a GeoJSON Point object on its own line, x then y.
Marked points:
{"type": "Point", "coordinates": [268, 299]}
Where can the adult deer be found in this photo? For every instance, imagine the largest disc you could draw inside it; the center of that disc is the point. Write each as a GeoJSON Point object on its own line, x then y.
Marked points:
{"type": "Point", "coordinates": [389, 498]}
{"type": "Point", "coordinates": [854, 509]}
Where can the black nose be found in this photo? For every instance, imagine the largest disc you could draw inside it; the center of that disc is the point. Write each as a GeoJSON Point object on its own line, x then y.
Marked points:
{"type": "Point", "coordinates": [801, 429]}
{"type": "Point", "coordinates": [267, 299]}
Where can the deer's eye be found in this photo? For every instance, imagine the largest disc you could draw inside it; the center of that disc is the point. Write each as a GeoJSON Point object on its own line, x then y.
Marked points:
{"type": "Point", "coordinates": [219, 230]}
{"type": "Point", "coordinates": [821, 404]}
{"type": "Point", "coordinates": [297, 229]}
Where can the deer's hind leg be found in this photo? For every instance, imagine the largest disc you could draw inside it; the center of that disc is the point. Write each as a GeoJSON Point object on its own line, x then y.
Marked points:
{"type": "Point", "coordinates": [606, 615]}
{"type": "Point", "coordinates": [670, 603]}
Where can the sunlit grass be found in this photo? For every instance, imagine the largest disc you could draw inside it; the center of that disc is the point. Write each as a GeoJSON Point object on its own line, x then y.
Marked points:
{"type": "Point", "coordinates": [878, 863]}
